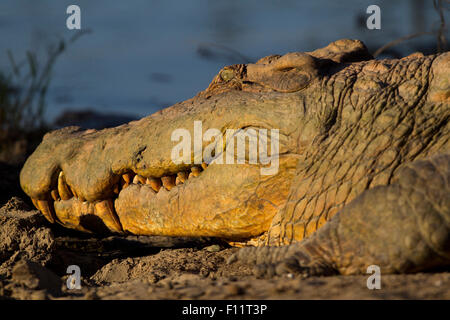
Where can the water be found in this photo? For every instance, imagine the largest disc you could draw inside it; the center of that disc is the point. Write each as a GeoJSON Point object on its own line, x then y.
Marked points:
{"type": "Point", "coordinates": [145, 55]}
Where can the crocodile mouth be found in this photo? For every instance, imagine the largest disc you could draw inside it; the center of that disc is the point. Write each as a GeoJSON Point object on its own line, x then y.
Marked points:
{"type": "Point", "coordinates": [66, 206]}
{"type": "Point", "coordinates": [114, 181]}
{"type": "Point", "coordinates": [186, 200]}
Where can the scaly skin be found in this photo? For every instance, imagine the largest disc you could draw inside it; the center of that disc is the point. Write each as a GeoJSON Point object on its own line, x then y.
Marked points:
{"type": "Point", "coordinates": [347, 124]}
{"type": "Point", "coordinates": [403, 227]}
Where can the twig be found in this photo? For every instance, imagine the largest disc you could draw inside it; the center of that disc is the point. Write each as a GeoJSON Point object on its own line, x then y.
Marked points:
{"type": "Point", "coordinates": [441, 40]}
{"type": "Point", "coordinates": [440, 34]}
{"type": "Point", "coordinates": [397, 41]}
{"type": "Point", "coordinates": [235, 53]}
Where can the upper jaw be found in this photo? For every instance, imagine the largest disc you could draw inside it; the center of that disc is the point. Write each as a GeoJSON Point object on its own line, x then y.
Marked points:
{"type": "Point", "coordinates": [93, 161]}
{"type": "Point", "coordinates": [75, 172]}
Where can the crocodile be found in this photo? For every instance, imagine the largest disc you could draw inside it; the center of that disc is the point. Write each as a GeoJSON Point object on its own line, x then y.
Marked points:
{"type": "Point", "coordinates": [363, 165]}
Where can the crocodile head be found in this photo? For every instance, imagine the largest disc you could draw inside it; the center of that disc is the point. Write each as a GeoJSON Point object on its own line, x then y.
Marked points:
{"type": "Point", "coordinates": [127, 179]}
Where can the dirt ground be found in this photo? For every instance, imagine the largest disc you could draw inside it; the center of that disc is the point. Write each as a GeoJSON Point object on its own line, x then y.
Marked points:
{"type": "Point", "coordinates": [34, 257]}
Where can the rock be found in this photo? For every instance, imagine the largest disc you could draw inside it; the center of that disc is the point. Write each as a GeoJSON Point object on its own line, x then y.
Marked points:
{"type": "Point", "coordinates": [23, 235]}
{"type": "Point", "coordinates": [213, 248]}
{"type": "Point", "coordinates": [35, 277]}
{"type": "Point", "coordinates": [234, 290]}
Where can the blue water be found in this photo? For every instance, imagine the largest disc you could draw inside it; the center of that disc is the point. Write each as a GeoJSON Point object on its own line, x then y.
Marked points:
{"type": "Point", "coordinates": [144, 55]}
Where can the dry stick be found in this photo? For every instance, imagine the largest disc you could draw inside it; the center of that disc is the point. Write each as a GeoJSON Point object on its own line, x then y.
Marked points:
{"type": "Point", "coordinates": [397, 41]}
{"type": "Point", "coordinates": [441, 41]}
{"type": "Point", "coordinates": [234, 52]}
{"type": "Point", "coordinates": [40, 80]}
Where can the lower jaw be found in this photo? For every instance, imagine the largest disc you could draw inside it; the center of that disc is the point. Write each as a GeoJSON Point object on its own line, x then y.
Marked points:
{"type": "Point", "coordinates": [64, 205]}
{"type": "Point", "coordinates": [139, 211]}
{"type": "Point", "coordinates": [238, 204]}
{"type": "Point", "coordinates": [183, 215]}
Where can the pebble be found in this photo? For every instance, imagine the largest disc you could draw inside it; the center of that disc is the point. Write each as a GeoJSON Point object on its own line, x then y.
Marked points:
{"type": "Point", "coordinates": [438, 283]}
{"type": "Point", "coordinates": [152, 278]}
{"type": "Point", "coordinates": [234, 290]}
{"type": "Point", "coordinates": [213, 248]}
{"type": "Point", "coordinates": [38, 295]}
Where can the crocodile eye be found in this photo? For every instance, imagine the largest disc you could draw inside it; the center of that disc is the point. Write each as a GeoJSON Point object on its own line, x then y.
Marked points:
{"type": "Point", "coordinates": [227, 75]}
{"type": "Point", "coordinates": [286, 69]}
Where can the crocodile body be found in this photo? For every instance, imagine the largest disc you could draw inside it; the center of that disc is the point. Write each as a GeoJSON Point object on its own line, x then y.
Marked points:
{"type": "Point", "coordinates": [363, 174]}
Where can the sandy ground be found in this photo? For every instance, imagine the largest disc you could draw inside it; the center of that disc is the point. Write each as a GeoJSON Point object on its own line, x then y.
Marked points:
{"type": "Point", "coordinates": [34, 257]}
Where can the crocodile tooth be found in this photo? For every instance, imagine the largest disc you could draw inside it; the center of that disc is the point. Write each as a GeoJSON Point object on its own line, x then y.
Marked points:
{"type": "Point", "coordinates": [138, 179]}
{"type": "Point", "coordinates": [182, 176]}
{"type": "Point", "coordinates": [55, 195]}
{"type": "Point", "coordinates": [73, 192]}
{"type": "Point", "coordinates": [35, 203]}
{"type": "Point", "coordinates": [150, 189]}
{"type": "Point", "coordinates": [154, 183]}
{"type": "Point", "coordinates": [195, 172]}
{"type": "Point", "coordinates": [105, 210]}
{"type": "Point", "coordinates": [204, 165]}
{"type": "Point", "coordinates": [128, 177]}
{"type": "Point", "coordinates": [168, 182]}
{"type": "Point", "coordinates": [46, 210]}
{"type": "Point", "coordinates": [141, 179]}
{"type": "Point", "coordinates": [87, 208]}
{"type": "Point", "coordinates": [124, 183]}
{"type": "Point", "coordinates": [63, 188]}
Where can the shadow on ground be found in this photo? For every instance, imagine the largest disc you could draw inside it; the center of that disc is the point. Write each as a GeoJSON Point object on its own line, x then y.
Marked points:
{"type": "Point", "coordinates": [34, 257]}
